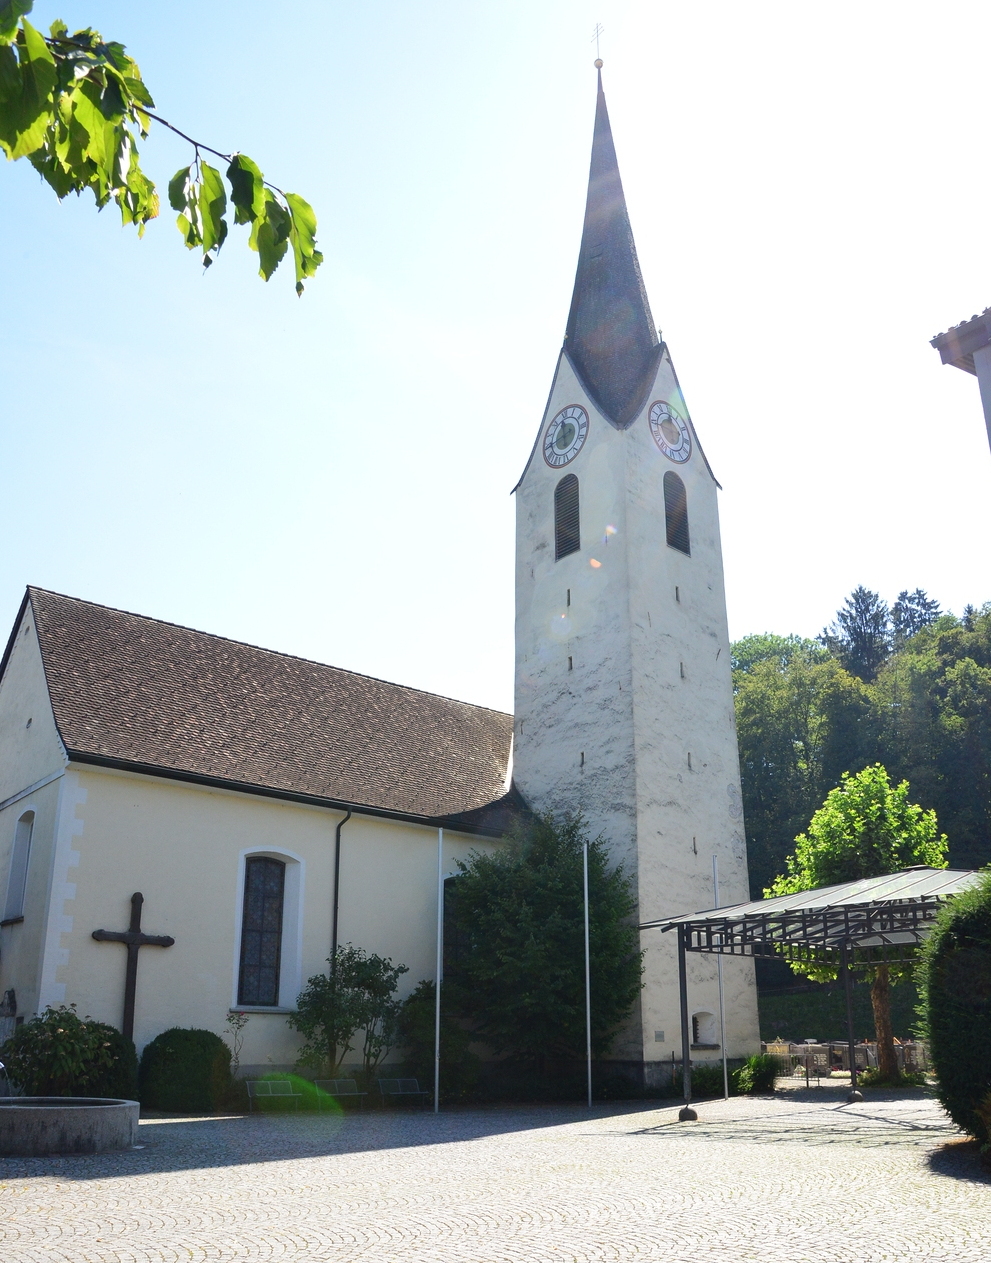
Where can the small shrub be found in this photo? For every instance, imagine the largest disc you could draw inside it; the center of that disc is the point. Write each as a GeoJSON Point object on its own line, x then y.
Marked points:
{"type": "Point", "coordinates": [955, 983]}
{"type": "Point", "coordinates": [873, 1078]}
{"type": "Point", "coordinates": [59, 1053]}
{"type": "Point", "coordinates": [756, 1076]}
{"type": "Point", "coordinates": [707, 1080]}
{"type": "Point", "coordinates": [185, 1071]}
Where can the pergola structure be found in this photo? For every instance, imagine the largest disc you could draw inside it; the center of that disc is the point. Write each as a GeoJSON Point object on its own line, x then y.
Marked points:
{"type": "Point", "coordinates": [875, 920]}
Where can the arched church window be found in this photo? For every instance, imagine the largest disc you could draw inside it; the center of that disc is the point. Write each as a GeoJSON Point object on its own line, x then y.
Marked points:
{"type": "Point", "coordinates": [676, 513]}
{"type": "Point", "coordinates": [567, 521]}
{"type": "Point", "coordinates": [261, 931]}
{"type": "Point", "coordinates": [17, 879]}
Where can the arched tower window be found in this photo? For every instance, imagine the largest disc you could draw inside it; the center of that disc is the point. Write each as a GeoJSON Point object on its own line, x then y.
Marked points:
{"type": "Point", "coordinates": [567, 521]}
{"type": "Point", "coordinates": [261, 931]}
{"type": "Point", "coordinates": [17, 880]}
{"type": "Point", "coordinates": [676, 513]}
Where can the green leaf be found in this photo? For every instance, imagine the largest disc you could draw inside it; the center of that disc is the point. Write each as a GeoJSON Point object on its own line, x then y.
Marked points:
{"type": "Point", "coordinates": [27, 114]}
{"type": "Point", "coordinates": [302, 234]}
{"type": "Point", "coordinates": [270, 235]}
{"type": "Point", "coordinates": [10, 80]}
{"type": "Point", "coordinates": [11, 12]}
{"type": "Point", "coordinates": [247, 189]}
{"type": "Point", "coordinates": [177, 187]}
{"type": "Point", "coordinates": [213, 207]}
{"type": "Point", "coordinates": [183, 198]}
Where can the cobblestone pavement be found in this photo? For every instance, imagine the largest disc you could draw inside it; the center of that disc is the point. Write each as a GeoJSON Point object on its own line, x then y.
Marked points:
{"type": "Point", "coordinates": [799, 1177]}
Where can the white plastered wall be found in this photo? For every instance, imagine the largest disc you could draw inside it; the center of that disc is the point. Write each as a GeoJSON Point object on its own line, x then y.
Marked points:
{"type": "Point", "coordinates": [649, 685]}
{"type": "Point", "coordinates": [32, 760]}
{"type": "Point", "coordinates": [183, 847]}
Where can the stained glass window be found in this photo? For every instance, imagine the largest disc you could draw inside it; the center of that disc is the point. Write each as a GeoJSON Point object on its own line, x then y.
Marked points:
{"type": "Point", "coordinates": [261, 931]}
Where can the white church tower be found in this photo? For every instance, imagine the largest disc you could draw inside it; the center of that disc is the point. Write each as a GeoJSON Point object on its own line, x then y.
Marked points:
{"type": "Point", "coordinates": [624, 704]}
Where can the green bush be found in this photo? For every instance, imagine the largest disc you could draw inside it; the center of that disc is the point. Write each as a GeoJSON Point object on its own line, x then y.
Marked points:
{"type": "Point", "coordinates": [873, 1078]}
{"type": "Point", "coordinates": [185, 1071]}
{"type": "Point", "coordinates": [459, 1067]}
{"type": "Point", "coordinates": [756, 1075]}
{"type": "Point", "coordinates": [707, 1080]}
{"type": "Point", "coordinates": [62, 1054]}
{"type": "Point", "coordinates": [955, 984]}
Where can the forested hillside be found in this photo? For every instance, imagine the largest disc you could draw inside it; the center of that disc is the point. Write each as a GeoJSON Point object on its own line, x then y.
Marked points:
{"type": "Point", "coordinates": [908, 687]}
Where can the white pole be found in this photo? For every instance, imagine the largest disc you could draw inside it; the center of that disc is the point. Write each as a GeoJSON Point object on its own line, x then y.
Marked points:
{"type": "Point", "coordinates": [440, 965]}
{"type": "Point", "coordinates": [719, 974]}
{"type": "Point", "coordinates": [588, 978]}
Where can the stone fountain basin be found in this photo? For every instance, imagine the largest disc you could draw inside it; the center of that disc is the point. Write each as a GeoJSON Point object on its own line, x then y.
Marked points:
{"type": "Point", "coordinates": [32, 1126]}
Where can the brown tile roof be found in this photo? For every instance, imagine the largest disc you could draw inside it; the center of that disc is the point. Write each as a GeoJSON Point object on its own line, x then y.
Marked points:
{"type": "Point", "coordinates": [134, 690]}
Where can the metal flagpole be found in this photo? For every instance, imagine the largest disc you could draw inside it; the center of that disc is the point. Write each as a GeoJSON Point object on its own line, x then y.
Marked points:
{"type": "Point", "coordinates": [440, 964]}
{"type": "Point", "coordinates": [588, 978]}
{"type": "Point", "coordinates": [719, 975]}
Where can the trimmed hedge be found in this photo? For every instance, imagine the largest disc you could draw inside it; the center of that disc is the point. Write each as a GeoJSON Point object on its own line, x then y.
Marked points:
{"type": "Point", "coordinates": [955, 982]}
{"type": "Point", "coordinates": [185, 1071]}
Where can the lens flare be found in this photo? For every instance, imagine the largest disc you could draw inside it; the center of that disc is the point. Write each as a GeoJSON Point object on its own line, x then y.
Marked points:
{"type": "Point", "coordinates": [594, 564]}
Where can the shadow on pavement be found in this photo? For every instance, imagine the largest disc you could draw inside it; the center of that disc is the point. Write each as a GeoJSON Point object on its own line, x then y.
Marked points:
{"type": "Point", "coordinates": [961, 1160]}
{"type": "Point", "coordinates": [182, 1144]}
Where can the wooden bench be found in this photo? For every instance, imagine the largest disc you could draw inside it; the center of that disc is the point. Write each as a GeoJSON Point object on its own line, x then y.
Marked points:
{"type": "Point", "coordinates": [341, 1090]}
{"type": "Point", "coordinates": [402, 1089]}
{"type": "Point", "coordinates": [267, 1089]}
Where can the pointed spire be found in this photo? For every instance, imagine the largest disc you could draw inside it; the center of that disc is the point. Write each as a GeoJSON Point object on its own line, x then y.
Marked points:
{"type": "Point", "coordinates": [610, 338]}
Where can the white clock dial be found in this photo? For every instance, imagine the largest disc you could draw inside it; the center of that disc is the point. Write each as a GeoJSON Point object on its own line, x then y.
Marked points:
{"type": "Point", "coordinates": [565, 436]}
{"type": "Point", "coordinates": [671, 433]}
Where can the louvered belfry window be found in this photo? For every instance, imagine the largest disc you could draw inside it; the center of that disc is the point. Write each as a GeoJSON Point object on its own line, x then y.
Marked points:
{"type": "Point", "coordinates": [676, 513]}
{"type": "Point", "coordinates": [567, 521]}
{"type": "Point", "coordinates": [261, 931]}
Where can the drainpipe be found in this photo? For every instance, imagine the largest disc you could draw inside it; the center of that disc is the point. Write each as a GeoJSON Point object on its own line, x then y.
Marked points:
{"type": "Point", "coordinates": [337, 892]}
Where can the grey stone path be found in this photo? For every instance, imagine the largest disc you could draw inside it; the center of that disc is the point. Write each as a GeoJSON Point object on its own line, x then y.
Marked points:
{"type": "Point", "coordinates": [797, 1178]}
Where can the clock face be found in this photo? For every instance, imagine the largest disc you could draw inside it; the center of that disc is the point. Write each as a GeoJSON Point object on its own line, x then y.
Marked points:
{"type": "Point", "coordinates": [670, 432]}
{"type": "Point", "coordinates": [565, 436]}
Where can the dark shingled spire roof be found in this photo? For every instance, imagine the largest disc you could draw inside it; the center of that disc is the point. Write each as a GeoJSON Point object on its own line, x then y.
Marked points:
{"type": "Point", "coordinates": [611, 339]}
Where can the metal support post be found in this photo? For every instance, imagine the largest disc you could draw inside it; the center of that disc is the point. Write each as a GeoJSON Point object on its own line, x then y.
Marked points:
{"type": "Point", "coordinates": [588, 978]}
{"type": "Point", "coordinates": [686, 1114]}
{"type": "Point", "coordinates": [855, 1095]}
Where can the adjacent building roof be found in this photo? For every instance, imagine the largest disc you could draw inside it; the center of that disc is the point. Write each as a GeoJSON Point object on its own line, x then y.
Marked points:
{"type": "Point", "coordinates": [957, 345]}
{"type": "Point", "coordinates": [135, 692]}
{"type": "Point", "coordinates": [611, 340]}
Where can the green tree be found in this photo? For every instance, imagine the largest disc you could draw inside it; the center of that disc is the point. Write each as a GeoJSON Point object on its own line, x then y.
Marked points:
{"type": "Point", "coordinates": [861, 635]}
{"type": "Point", "coordinates": [865, 828]}
{"type": "Point", "coordinates": [911, 612]}
{"type": "Point", "coordinates": [75, 104]}
{"type": "Point", "coordinates": [933, 706]}
{"type": "Point", "coordinates": [357, 995]}
{"type": "Point", "coordinates": [459, 1067]}
{"type": "Point", "coordinates": [519, 977]}
{"type": "Point", "coordinates": [801, 721]}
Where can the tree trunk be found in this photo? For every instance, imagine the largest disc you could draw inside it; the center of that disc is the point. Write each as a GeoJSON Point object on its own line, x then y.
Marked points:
{"type": "Point", "coordinates": [887, 1062]}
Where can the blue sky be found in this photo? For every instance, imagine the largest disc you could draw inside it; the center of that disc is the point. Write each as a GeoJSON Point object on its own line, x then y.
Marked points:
{"type": "Point", "coordinates": [330, 476]}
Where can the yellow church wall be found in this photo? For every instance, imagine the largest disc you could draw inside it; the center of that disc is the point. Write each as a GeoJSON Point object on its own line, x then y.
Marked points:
{"type": "Point", "coordinates": [32, 760]}
{"type": "Point", "coordinates": [22, 944]}
{"type": "Point", "coordinates": [183, 847]}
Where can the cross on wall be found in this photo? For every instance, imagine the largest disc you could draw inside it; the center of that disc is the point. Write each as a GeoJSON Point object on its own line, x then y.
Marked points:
{"type": "Point", "coordinates": [134, 940]}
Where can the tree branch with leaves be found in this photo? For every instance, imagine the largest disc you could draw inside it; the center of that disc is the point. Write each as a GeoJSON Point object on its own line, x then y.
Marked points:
{"type": "Point", "coordinates": [75, 105]}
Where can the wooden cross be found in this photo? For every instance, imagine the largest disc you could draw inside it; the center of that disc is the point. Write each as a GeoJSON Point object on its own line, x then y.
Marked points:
{"type": "Point", "coordinates": [134, 940]}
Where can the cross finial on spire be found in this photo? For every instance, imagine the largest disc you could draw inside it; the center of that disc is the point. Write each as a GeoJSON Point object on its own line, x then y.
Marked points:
{"type": "Point", "coordinates": [596, 35]}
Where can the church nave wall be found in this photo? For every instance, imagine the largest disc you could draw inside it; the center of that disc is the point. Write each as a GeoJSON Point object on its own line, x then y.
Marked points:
{"type": "Point", "coordinates": [184, 847]}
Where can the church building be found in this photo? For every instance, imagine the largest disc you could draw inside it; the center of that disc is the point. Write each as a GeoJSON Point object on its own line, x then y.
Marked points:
{"type": "Point", "coordinates": [257, 800]}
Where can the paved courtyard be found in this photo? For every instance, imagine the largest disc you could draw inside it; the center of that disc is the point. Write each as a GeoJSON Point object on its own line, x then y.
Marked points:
{"type": "Point", "coordinates": [800, 1177]}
